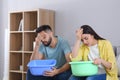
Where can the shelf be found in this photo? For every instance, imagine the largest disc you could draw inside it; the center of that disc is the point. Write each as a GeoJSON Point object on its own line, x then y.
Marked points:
{"type": "Point", "coordinates": [15, 19]}
{"type": "Point", "coordinates": [30, 19]}
{"type": "Point", "coordinates": [24, 76]}
{"type": "Point", "coordinates": [29, 38]}
{"type": "Point", "coordinates": [29, 31]}
{"type": "Point", "coordinates": [16, 42]}
{"type": "Point", "coordinates": [16, 52]}
{"type": "Point", "coordinates": [15, 76]}
{"type": "Point", "coordinates": [26, 60]}
{"type": "Point", "coordinates": [16, 32]}
{"type": "Point", "coordinates": [16, 71]}
{"type": "Point", "coordinates": [28, 52]}
{"type": "Point", "coordinates": [15, 61]}
{"type": "Point", "coordinates": [23, 25]}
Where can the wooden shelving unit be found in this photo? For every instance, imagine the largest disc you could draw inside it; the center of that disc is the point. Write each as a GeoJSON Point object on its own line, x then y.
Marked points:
{"type": "Point", "coordinates": [21, 39]}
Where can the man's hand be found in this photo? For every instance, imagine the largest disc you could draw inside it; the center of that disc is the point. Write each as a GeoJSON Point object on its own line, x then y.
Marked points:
{"type": "Point", "coordinates": [35, 54]}
{"type": "Point", "coordinates": [51, 73]}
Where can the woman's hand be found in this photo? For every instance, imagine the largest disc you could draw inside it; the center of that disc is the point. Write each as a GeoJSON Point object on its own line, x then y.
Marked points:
{"type": "Point", "coordinates": [79, 32]}
{"type": "Point", "coordinates": [106, 64]}
{"type": "Point", "coordinates": [97, 61]}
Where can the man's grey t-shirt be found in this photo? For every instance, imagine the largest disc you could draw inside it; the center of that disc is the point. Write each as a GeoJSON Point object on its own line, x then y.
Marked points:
{"type": "Point", "coordinates": [58, 53]}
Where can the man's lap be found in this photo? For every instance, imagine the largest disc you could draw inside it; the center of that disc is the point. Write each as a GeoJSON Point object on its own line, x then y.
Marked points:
{"type": "Point", "coordinates": [62, 76]}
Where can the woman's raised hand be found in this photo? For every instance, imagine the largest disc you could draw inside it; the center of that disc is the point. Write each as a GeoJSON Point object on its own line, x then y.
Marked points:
{"type": "Point", "coordinates": [79, 33]}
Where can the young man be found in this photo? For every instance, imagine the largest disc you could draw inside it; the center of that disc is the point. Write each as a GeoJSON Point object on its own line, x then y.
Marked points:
{"type": "Point", "coordinates": [49, 46]}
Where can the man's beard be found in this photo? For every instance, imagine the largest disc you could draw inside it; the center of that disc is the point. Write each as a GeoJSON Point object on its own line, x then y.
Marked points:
{"type": "Point", "coordinates": [48, 43]}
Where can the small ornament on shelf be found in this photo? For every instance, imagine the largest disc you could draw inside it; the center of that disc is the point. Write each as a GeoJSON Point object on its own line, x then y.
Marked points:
{"type": "Point", "coordinates": [21, 25]}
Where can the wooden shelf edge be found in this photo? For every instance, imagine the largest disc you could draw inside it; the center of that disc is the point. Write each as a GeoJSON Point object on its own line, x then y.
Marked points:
{"type": "Point", "coordinates": [16, 71]}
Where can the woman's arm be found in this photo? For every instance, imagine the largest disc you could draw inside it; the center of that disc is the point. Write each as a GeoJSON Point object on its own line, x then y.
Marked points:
{"type": "Point", "coordinates": [75, 48]}
{"type": "Point", "coordinates": [77, 43]}
{"type": "Point", "coordinates": [106, 64]}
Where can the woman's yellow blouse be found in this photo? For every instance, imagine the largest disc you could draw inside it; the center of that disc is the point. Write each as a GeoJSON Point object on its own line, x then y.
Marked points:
{"type": "Point", "coordinates": [106, 53]}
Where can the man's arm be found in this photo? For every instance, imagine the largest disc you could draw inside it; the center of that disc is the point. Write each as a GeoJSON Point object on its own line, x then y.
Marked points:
{"type": "Point", "coordinates": [66, 66]}
{"type": "Point", "coordinates": [36, 54]}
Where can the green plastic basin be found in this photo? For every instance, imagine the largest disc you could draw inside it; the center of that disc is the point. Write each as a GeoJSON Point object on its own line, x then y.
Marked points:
{"type": "Point", "coordinates": [83, 68]}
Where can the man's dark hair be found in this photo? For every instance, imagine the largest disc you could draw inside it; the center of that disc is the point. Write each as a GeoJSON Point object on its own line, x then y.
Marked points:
{"type": "Point", "coordinates": [43, 28]}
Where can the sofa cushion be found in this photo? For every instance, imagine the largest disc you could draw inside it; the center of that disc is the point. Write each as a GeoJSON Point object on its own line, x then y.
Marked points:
{"type": "Point", "coordinates": [115, 50]}
{"type": "Point", "coordinates": [118, 64]}
{"type": "Point", "coordinates": [118, 50]}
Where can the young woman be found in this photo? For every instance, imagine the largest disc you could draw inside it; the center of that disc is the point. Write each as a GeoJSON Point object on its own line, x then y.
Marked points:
{"type": "Point", "coordinates": [90, 46]}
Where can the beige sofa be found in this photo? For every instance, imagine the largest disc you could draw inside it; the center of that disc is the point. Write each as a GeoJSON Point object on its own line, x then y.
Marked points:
{"type": "Point", "coordinates": [117, 54]}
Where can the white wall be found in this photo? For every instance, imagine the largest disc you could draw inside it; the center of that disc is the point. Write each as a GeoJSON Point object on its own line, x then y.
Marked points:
{"type": "Point", "coordinates": [3, 26]}
{"type": "Point", "coordinates": [1, 40]}
{"type": "Point", "coordinates": [102, 15]}
{"type": "Point", "coordinates": [0, 34]}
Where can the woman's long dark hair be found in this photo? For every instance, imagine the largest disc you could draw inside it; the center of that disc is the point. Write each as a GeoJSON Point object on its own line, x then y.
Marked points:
{"type": "Point", "coordinates": [88, 30]}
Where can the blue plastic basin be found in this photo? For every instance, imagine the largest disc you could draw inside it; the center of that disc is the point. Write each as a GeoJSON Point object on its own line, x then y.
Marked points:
{"type": "Point", "coordinates": [38, 67]}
